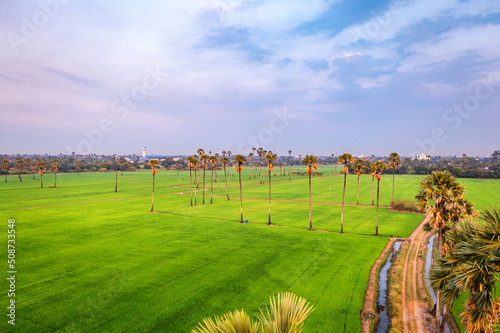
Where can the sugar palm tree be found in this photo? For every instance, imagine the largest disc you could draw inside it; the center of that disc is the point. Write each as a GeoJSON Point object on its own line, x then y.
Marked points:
{"type": "Point", "coordinates": [254, 151]}
{"type": "Point", "coordinates": [310, 161]}
{"type": "Point", "coordinates": [214, 161]}
{"type": "Point", "coordinates": [116, 172]}
{"type": "Point", "coordinates": [78, 166]}
{"type": "Point", "coordinates": [195, 162]}
{"type": "Point", "coordinates": [218, 157]}
{"type": "Point", "coordinates": [359, 169]}
{"type": "Point", "coordinates": [27, 163]}
{"type": "Point", "coordinates": [472, 266]}
{"type": "Point", "coordinates": [203, 160]}
{"type": "Point", "coordinates": [439, 192]}
{"type": "Point", "coordinates": [201, 152]}
{"type": "Point", "coordinates": [394, 161]}
{"type": "Point", "coordinates": [6, 167]}
{"type": "Point", "coordinates": [240, 160]}
{"type": "Point", "coordinates": [250, 158]}
{"type": "Point", "coordinates": [41, 166]}
{"type": "Point", "coordinates": [55, 165]}
{"type": "Point", "coordinates": [19, 162]}
{"type": "Point", "coordinates": [285, 315]}
{"type": "Point", "coordinates": [260, 153]}
{"type": "Point", "coordinates": [270, 157]}
{"type": "Point", "coordinates": [190, 160]}
{"type": "Point", "coordinates": [122, 162]}
{"type": "Point", "coordinates": [34, 166]}
{"type": "Point", "coordinates": [282, 173]}
{"type": "Point", "coordinates": [289, 165]}
{"type": "Point", "coordinates": [154, 170]}
{"type": "Point", "coordinates": [373, 180]}
{"type": "Point", "coordinates": [378, 166]}
{"type": "Point", "coordinates": [345, 159]}
{"type": "Point", "coordinates": [333, 163]}
{"type": "Point", "coordinates": [224, 160]}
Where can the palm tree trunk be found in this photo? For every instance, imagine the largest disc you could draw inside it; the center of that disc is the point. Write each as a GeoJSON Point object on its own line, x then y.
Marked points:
{"type": "Point", "coordinates": [153, 195]}
{"type": "Point", "coordinates": [121, 172]}
{"type": "Point", "coordinates": [438, 294]}
{"type": "Point", "coordinates": [55, 178]}
{"type": "Point", "coordinates": [269, 220]}
{"type": "Point", "coordinates": [41, 181]}
{"type": "Point", "coordinates": [289, 171]}
{"type": "Point", "coordinates": [116, 181]}
{"type": "Point", "coordinates": [310, 208]}
{"type": "Point", "coordinates": [357, 200]}
{"type": "Point", "coordinates": [191, 185]}
{"type": "Point", "coordinates": [241, 198]}
{"type": "Point", "coordinates": [225, 180]}
{"type": "Point", "coordinates": [203, 185]}
{"type": "Point", "coordinates": [212, 186]}
{"type": "Point", "coordinates": [378, 191]}
{"type": "Point", "coordinates": [393, 178]}
{"type": "Point", "coordinates": [260, 170]}
{"type": "Point", "coordinates": [195, 187]}
{"type": "Point", "coordinates": [6, 176]}
{"type": "Point", "coordinates": [373, 180]}
{"type": "Point", "coordinates": [342, 212]}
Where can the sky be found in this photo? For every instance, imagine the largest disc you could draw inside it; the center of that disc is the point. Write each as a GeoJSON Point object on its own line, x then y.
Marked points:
{"type": "Point", "coordinates": [315, 77]}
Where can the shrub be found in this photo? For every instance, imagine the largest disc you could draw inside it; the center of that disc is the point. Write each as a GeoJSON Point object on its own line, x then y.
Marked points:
{"type": "Point", "coordinates": [406, 205]}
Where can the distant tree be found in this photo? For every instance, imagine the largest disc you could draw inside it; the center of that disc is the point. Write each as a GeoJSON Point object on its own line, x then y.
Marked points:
{"type": "Point", "coordinates": [224, 160]}
{"type": "Point", "coordinates": [270, 157]}
{"type": "Point", "coordinates": [6, 167]}
{"type": "Point", "coordinates": [122, 162]}
{"type": "Point", "coordinates": [214, 161]}
{"type": "Point", "coordinates": [289, 165]}
{"type": "Point", "coordinates": [373, 174]}
{"type": "Point", "coordinates": [250, 159]}
{"type": "Point", "coordinates": [359, 169]}
{"type": "Point", "coordinates": [19, 162]}
{"type": "Point", "coordinates": [200, 152]}
{"type": "Point", "coordinates": [378, 166]}
{"type": "Point", "coordinates": [282, 173]}
{"type": "Point", "coordinates": [78, 166]}
{"type": "Point", "coordinates": [190, 160]}
{"type": "Point", "coordinates": [495, 156]}
{"type": "Point", "coordinates": [154, 170]}
{"type": "Point", "coordinates": [27, 163]}
{"type": "Point", "coordinates": [195, 162]}
{"type": "Point", "coordinates": [260, 152]}
{"type": "Point", "coordinates": [310, 161]}
{"type": "Point", "coordinates": [394, 161]}
{"type": "Point", "coordinates": [344, 159]}
{"type": "Point", "coordinates": [240, 160]}
{"type": "Point", "coordinates": [55, 165]}
{"type": "Point", "coordinates": [204, 158]}
{"type": "Point", "coordinates": [178, 165]}
{"type": "Point", "coordinates": [41, 166]}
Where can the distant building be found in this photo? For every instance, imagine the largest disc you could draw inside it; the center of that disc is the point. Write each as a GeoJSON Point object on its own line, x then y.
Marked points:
{"type": "Point", "coordinates": [423, 157]}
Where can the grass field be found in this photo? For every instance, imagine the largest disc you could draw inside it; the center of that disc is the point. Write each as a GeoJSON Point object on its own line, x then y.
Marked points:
{"type": "Point", "coordinates": [90, 259]}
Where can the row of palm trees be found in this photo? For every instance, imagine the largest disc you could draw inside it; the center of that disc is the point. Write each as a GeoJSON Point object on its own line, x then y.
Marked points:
{"type": "Point", "coordinates": [198, 163]}
{"type": "Point", "coordinates": [38, 164]}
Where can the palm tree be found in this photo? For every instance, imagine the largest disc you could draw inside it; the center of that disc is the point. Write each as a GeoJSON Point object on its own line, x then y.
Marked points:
{"type": "Point", "coordinates": [345, 159]}
{"type": "Point", "coordinates": [122, 162]}
{"type": "Point", "coordinates": [282, 173]}
{"type": "Point", "coordinates": [260, 152]}
{"type": "Point", "coordinates": [214, 161]}
{"type": "Point", "coordinates": [78, 165]}
{"type": "Point", "coordinates": [6, 167]}
{"type": "Point", "coordinates": [178, 164]}
{"type": "Point", "coordinates": [34, 166]}
{"type": "Point", "coordinates": [310, 161]}
{"type": "Point", "coordinates": [254, 150]}
{"type": "Point", "coordinates": [216, 155]}
{"type": "Point", "coordinates": [116, 172]}
{"type": "Point", "coordinates": [333, 163]}
{"type": "Point", "coordinates": [359, 169]}
{"type": "Point", "coordinates": [373, 180]}
{"type": "Point", "coordinates": [41, 166]}
{"type": "Point", "coordinates": [472, 265]}
{"type": "Point", "coordinates": [285, 315]}
{"type": "Point", "coordinates": [270, 157]}
{"type": "Point", "coordinates": [27, 163]}
{"type": "Point", "coordinates": [200, 153]}
{"type": "Point", "coordinates": [224, 160]}
{"type": "Point", "coordinates": [378, 166]}
{"type": "Point", "coordinates": [289, 165]}
{"type": "Point", "coordinates": [154, 170]}
{"type": "Point", "coordinates": [19, 162]}
{"type": "Point", "coordinates": [204, 158]}
{"type": "Point", "coordinates": [55, 165]}
{"type": "Point", "coordinates": [394, 161]}
{"type": "Point", "coordinates": [440, 193]}
{"type": "Point", "coordinates": [195, 161]}
{"type": "Point", "coordinates": [190, 160]}
{"type": "Point", "coordinates": [240, 160]}
{"type": "Point", "coordinates": [250, 158]}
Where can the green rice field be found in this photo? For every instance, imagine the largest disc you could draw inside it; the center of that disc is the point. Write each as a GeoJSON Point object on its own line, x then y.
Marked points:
{"type": "Point", "coordinates": [92, 260]}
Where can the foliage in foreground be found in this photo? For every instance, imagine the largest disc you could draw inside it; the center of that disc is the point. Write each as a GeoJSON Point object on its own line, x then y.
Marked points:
{"type": "Point", "coordinates": [472, 264]}
{"type": "Point", "coordinates": [286, 314]}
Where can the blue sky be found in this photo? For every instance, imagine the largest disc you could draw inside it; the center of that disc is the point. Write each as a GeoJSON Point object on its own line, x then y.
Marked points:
{"type": "Point", "coordinates": [318, 76]}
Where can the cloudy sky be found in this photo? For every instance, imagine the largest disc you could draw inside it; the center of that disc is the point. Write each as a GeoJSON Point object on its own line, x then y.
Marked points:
{"type": "Point", "coordinates": [317, 76]}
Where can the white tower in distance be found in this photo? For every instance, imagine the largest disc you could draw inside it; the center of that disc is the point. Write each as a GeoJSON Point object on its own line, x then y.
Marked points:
{"type": "Point", "coordinates": [144, 151]}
